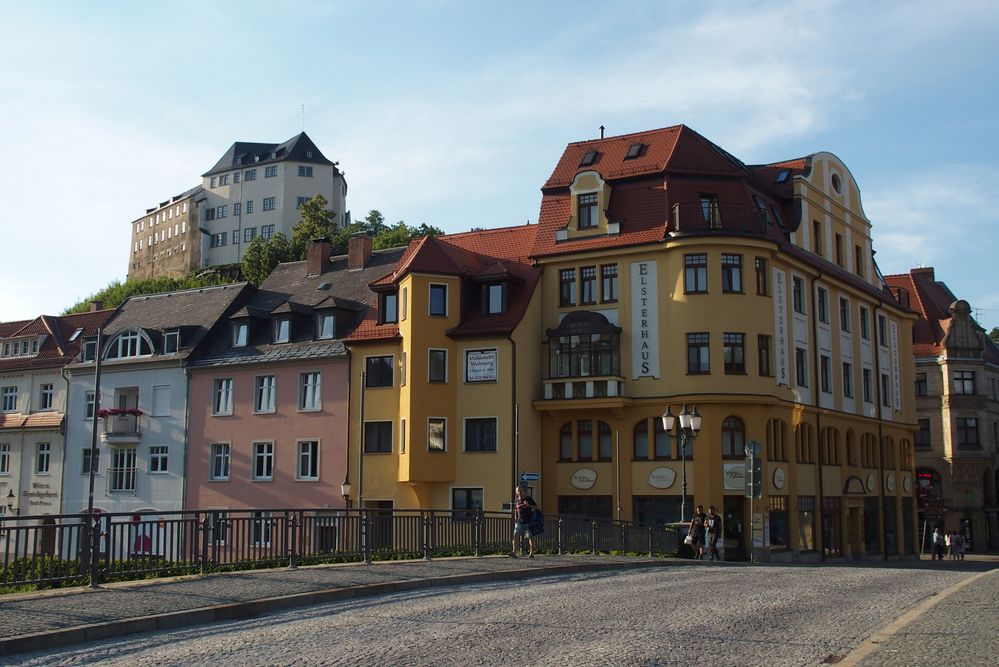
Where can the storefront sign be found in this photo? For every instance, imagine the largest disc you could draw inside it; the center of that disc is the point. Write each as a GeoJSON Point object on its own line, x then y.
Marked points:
{"type": "Point", "coordinates": [734, 476]}
{"type": "Point", "coordinates": [662, 478]}
{"type": "Point", "coordinates": [780, 327]}
{"type": "Point", "coordinates": [584, 478]}
{"type": "Point", "coordinates": [778, 478]}
{"type": "Point", "coordinates": [644, 320]}
{"type": "Point", "coordinates": [480, 365]}
{"type": "Point", "coordinates": [895, 379]}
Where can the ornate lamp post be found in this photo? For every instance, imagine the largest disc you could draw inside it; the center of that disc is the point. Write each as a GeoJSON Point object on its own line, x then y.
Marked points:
{"type": "Point", "coordinates": [689, 427]}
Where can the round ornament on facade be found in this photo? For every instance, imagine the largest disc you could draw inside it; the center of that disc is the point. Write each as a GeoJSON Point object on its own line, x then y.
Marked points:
{"type": "Point", "coordinates": [870, 482]}
{"type": "Point", "coordinates": [906, 484]}
{"type": "Point", "coordinates": [584, 478]}
{"type": "Point", "coordinates": [779, 478]}
{"type": "Point", "coordinates": [662, 478]}
{"type": "Point", "coordinates": [890, 483]}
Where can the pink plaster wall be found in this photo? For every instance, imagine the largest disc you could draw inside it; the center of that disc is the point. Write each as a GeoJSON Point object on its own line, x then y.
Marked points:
{"type": "Point", "coordinates": [285, 427]}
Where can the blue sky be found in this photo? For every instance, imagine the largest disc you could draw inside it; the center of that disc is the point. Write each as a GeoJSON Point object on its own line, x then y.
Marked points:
{"type": "Point", "coordinates": [454, 113]}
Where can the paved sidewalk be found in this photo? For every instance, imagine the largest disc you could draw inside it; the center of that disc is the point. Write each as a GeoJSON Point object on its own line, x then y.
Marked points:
{"type": "Point", "coordinates": [46, 620]}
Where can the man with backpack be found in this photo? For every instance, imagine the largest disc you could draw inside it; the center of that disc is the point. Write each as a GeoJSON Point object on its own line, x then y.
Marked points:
{"type": "Point", "coordinates": [523, 510]}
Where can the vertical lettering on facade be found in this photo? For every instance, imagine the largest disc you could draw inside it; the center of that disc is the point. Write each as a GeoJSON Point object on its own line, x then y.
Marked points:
{"type": "Point", "coordinates": [780, 327]}
{"type": "Point", "coordinates": [895, 379]}
{"type": "Point", "coordinates": [644, 320]}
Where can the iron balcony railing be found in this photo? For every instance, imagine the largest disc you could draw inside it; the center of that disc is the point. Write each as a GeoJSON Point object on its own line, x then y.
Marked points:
{"type": "Point", "coordinates": [77, 549]}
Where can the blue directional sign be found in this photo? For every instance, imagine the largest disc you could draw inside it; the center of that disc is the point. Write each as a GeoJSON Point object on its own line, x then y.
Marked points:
{"type": "Point", "coordinates": [530, 476]}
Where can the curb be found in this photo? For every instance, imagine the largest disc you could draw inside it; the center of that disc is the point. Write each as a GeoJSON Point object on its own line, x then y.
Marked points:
{"type": "Point", "coordinates": [51, 639]}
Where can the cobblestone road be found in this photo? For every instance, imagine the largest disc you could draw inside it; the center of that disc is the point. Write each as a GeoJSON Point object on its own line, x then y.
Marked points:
{"type": "Point", "coordinates": [699, 615]}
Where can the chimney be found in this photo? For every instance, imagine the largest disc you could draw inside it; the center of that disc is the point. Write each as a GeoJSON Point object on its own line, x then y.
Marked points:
{"type": "Point", "coordinates": [358, 251]}
{"type": "Point", "coordinates": [319, 256]}
{"type": "Point", "coordinates": [924, 271]}
{"type": "Point", "coordinates": [96, 305]}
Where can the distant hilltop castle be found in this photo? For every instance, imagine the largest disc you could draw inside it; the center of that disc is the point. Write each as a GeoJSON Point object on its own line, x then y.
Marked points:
{"type": "Point", "coordinates": [253, 190]}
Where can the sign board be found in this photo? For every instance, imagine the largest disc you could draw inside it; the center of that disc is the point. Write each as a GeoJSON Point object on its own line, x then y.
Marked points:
{"type": "Point", "coordinates": [754, 469]}
{"type": "Point", "coordinates": [530, 476]}
{"type": "Point", "coordinates": [480, 365]}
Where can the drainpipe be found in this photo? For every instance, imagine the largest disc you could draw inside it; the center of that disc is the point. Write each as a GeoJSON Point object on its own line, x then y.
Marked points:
{"type": "Point", "coordinates": [877, 407]}
{"type": "Point", "coordinates": [187, 440]}
{"type": "Point", "coordinates": [346, 453]}
{"type": "Point", "coordinates": [515, 415]}
{"type": "Point", "coordinates": [820, 510]}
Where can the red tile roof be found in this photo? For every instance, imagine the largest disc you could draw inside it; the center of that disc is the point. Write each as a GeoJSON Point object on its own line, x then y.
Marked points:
{"type": "Point", "coordinates": [57, 349]}
{"type": "Point", "coordinates": [38, 420]}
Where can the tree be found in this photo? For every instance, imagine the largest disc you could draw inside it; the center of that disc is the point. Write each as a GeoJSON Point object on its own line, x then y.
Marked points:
{"type": "Point", "coordinates": [994, 334]}
{"type": "Point", "coordinates": [116, 292]}
{"type": "Point", "coordinates": [315, 221]}
{"type": "Point", "coordinates": [262, 256]}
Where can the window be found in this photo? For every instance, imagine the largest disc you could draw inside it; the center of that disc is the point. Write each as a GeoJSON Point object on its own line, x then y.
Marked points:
{"type": "Point", "coordinates": [567, 287]}
{"type": "Point", "coordinates": [494, 299]}
{"type": "Point", "coordinates": [865, 323]}
{"type": "Point", "coordinates": [282, 330]}
{"type": "Point", "coordinates": [825, 381]}
{"type": "Point", "coordinates": [5, 459]}
{"type": "Point", "coordinates": [763, 352]}
{"type": "Point", "coordinates": [378, 371]}
{"type": "Point", "coordinates": [858, 254]}
{"type": "Point", "coordinates": [634, 151]}
{"type": "Point", "coordinates": [923, 435]}
{"type": "Point", "coordinates": [847, 379]}
{"type": "Point", "coordinates": [260, 528]}
{"type": "Point", "coordinates": [565, 442]}
{"type": "Point", "coordinates": [733, 438]}
{"type": "Point", "coordinates": [402, 435]}
{"type": "Point", "coordinates": [964, 383]}
{"type": "Point", "coordinates": [797, 294]}
{"type": "Point", "coordinates": [219, 463]}
{"type": "Point", "coordinates": [710, 210]}
{"type": "Point", "coordinates": [588, 285]}
{"type": "Point", "coordinates": [217, 240]}
{"type": "Point", "coordinates": [235, 237]}
{"type": "Point", "coordinates": [438, 300]}
{"type": "Point", "coordinates": [161, 400]}
{"type": "Point", "coordinates": [128, 344]}
{"type": "Point", "coordinates": [695, 273]}
{"type": "Point", "coordinates": [731, 266]}
{"type": "Point", "coordinates": [697, 353]}
{"type": "Point", "coordinates": [223, 180]}
{"type": "Point", "coordinates": [588, 218]}
{"type": "Point", "coordinates": [43, 458]}
{"type": "Point", "coordinates": [121, 473]}
{"type": "Point", "coordinates": [158, 459]}
{"type": "Point", "coordinates": [921, 386]}
{"type": "Point", "coordinates": [264, 393]}
{"type": "Point", "coordinates": [249, 207]}
{"type": "Point", "coordinates": [269, 203]}
{"type": "Point", "coordinates": [436, 434]}
{"type": "Point", "coordinates": [308, 460]}
{"type": "Point", "coordinates": [389, 308]}
{"type": "Point", "coordinates": [839, 250]}
{"type": "Point", "coordinates": [309, 391]}
{"type": "Point", "coordinates": [325, 326]}
{"type": "Point", "coordinates": [800, 367]}
{"type": "Point", "coordinates": [377, 437]}
{"type": "Point", "coordinates": [967, 433]}
{"type": "Point", "coordinates": [263, 460]}
{"type": "Point", "coordinates": [734, 346]}
{"type": "Point", "coordinates": [584, 437]}
{"type": "Point", "coordinates": [211, 184]}
{"type": "Point", "coordinates": [305, 171]}
{"type": "Point", "coordinates": [250, 175]}
{"type": "Point", "coordinates": [249, 234]}
{"type": "Point", "coordinates": [816, 237]}
{"type": "Point", "coordinates": [588, 158]}
{"type": "Point", "coordinates": [299, 201]}
{"type": "Point", "coordinates": [89, 456]}
{"type": "Point", "coordinates": [437, 366]}
{"type": "Point", "coordinates": [9, 399]}
{"type": "Point", "coordinates": [844, 315]}
{"type": "Point", "coordinates": [266, 231]}
{"type": "Point", "coordinates": [762, 287]}
{"type": "Point", "coordinates": [270, 172]}
{"type": "Point", "coordinates": [885, 391]}
{"type": "Point", "coordinates": [222, 396]}
{"type": "Point", "coordinates": [806, 523]}
{"type": "Point", "coordinates": [218, 524]}
{"type": "Point", "coordinates": [823, 306]}
{"type": "Point", "coordinates": [89, 350]}
{"type": "Point", "coordinates": [608, 283]}
{"type": "Point", "coordinates": [480, 434]}
{"type": "Point", "coordinates": [464, 502]}
{"type": "Point", "coordinates": [882, 331]}
{"type": "Point", "coordinates": [171, 342]}
{"type": "Point", "coordinates": [220, 212]}
{"type": "Point", "coordinates": [865, 376]}
{"type": "Point", "coordinates": [89, 403]}
{"type": "Point", "coordinates": [46, 393]}
{"type": "Point", "coordinates": [235, 177]}
{"type": "Point", "coordinates": [778, 521]}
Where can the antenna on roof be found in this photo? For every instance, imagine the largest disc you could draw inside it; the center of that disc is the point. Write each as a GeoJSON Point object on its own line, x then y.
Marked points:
{"type": "Point", "coordinates": [303, 118]}
{"type": "Point", "coordinates": [601, 131]}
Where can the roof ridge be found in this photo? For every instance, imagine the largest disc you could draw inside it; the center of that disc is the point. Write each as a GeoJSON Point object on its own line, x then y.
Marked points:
{"type": "Point", "coordinates": [630, 134]}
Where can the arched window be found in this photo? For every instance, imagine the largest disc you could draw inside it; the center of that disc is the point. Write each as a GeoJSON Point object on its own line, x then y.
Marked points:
{"type": "Point", "coordinates": [565, 442]}
{"type": "Point", "coordinates": [128, 344]}
{"type": "Point", "coordinates": [829, 446]}
{"type": "Point", "coordinates": [664, 447]}
{"type": "Point", "coordinates": [733, 438]}
{"type": "Point", "coordinates": [804, 443]}
{"type": "Point", "coordinates": [584, 432]}
{"type": "Point", "coordinates": [868, 450]}
{"type": "Point", "coordinates": [776, 440]}
{"type": "Point", "coordinates": [640, 440]}
{"type": "Point", "coordinates": [907, 459]}
{"type": "Point", "coordinates": [851, 447]}
{"type": "Point", "coordinates": [888, 452]}
{"type": "Point", "coordinates": [605, 445]}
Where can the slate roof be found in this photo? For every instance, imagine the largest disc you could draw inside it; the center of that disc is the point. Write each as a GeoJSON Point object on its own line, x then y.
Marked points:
{"type": "Point", "coordinates": [57, 349]}
{"type": "Point", "coordinates": [290, 292]}
{"type": "Point", "coordinates": [931, 299]}
{"type": "Point", "coordinates": [248, 154]}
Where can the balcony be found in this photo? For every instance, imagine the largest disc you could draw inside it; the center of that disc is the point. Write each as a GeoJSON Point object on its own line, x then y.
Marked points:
{"type": "Point", "coordinates": [121, 428]}
{"type": "Point", "coordinates": [559, 389]}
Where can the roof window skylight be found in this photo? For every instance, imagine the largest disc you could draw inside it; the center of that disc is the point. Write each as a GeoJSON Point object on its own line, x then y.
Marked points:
{"type": "Point", "coordinates": [634, 151]}
{"type": "Point", "coordinates": [782, 175]}
{"type": "Point", "coordinates": [76, 334]}
{"type": "Point", "coordinates": [589, 158]}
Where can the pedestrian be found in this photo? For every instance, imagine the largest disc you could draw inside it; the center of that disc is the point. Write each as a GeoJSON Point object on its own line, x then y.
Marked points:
{"type": "Point", "coordinates": [696, 532]}
{"type": "Point", "coordinates": [523, 509]}
{"type": "Point", "coordinates": [951, 543]}
{"type": "Point", "coordinates": [939, 542]}
{"type": "Point", "coordinates": [962, 544]}
{"type": "Point", "coordinates": [713, 524]}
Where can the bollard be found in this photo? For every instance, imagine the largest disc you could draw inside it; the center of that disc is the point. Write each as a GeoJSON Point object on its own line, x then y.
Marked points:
{"type": "Point", "coordinates": [365, 543]}
{"type": "Point", "coordinates": [426, 521]}
{"type": "Point", "coordinates": [560, 537]}
{"type": "Point", "coordinates": [478, 533]}
{"type": "Point", "coordinates": [95, 549]}
{"type": "Point", "coordinates": [293, 543]}
{"type": "Point", "coordinates": [204, 528]}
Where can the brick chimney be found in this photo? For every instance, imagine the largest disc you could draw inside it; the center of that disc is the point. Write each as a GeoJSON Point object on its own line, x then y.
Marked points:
{"type": "Point", "coordinates": [96, 305]}
{"type": "Point", "coordinates": [319, 256]}
{"type": "Point", "coordinates": [924, 271]}
{"type": "Point", "coordinates": [358, 251]}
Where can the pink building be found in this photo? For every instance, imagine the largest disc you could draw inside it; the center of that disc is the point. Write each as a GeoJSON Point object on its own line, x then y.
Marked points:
{"type": "Point", "coordinates": [269, 408]}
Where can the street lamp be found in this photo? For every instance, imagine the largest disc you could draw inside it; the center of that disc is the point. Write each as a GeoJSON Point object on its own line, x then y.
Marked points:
{"type": "Point", "coordinates": [345, 492]}
{"type": "Point", "coordinates": [10, 503]}
{"type": "Point", "coordinates": [690, 426]}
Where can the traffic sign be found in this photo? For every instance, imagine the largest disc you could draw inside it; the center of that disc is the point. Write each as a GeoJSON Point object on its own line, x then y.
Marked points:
{"type": "Point", "coordinates": [530, 476]}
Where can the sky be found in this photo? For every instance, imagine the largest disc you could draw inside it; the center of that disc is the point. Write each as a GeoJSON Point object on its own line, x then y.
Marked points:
{"type": "Point", "coordinates": [455, 113]}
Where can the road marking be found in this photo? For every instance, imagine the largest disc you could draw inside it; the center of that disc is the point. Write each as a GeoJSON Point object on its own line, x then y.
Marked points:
{"type": "Point", "coordinates": [884, 634]}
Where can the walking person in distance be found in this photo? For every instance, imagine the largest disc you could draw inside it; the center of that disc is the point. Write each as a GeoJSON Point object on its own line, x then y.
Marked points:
{"type": "Point", "coordinates": [697, 528]}
{"type": "Point", "coordinates": [713, 525]}
{"type": "Point", "coordinates": [523, 510]}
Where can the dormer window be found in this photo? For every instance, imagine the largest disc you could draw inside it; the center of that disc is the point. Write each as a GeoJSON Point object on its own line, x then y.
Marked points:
{"type": "Point", "coordinates": [282, 330]}
{"type": "Point", "coordinates": [588, 217]}
{"type": "Point", "coordinates": [171, 342]}
{"type": "Point", "coordinates": [710, 210]}
{"type": "Point", "coordinates": [782, 175]}
{"type": "Point", "coordinates": [634, 150]}
{"type": "Point", "coordinates": [325, 326]}
{"type": "Point", "coordinates": [494, 300]}
{"type": "Point", "coordinates": [389, 307]}
{"type": "Point", "coordinates": [89, 350]}
{"type": "Point", "coordinates": [240, 334]}
{"type": "Point", "coordinates": [588, 158]}
{"type": "Point", "coordinates": [127, 345]}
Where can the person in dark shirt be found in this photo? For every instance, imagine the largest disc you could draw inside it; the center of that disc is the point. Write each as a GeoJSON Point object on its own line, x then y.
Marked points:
{"type": "Point", "coordinates": [713, 524]}
{"type": "Point", "coordinates": [523, 509]}
{"type": "Point", "coordinates": [697, 527]}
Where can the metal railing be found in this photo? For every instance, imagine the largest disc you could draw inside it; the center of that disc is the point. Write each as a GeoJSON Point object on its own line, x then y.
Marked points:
{"type": "Point", "coordinates": [77, 549]}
